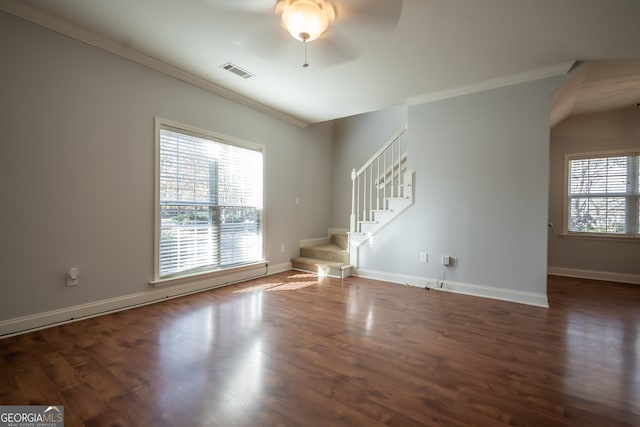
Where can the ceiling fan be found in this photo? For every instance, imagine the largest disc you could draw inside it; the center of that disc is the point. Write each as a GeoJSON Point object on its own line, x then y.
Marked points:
{"type": "Point", "coordinates": [339, 29]}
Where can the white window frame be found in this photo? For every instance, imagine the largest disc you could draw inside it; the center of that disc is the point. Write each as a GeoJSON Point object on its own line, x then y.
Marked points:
{"type": "Point", "coordinates": [161, 123]}
{"type": "Point", "coordinates": [632, 209]}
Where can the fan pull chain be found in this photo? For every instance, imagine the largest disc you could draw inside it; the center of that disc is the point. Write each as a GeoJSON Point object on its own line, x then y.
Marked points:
{"type": "Point", "coordinates": [304, 37]}
{"type": "Point", "coordinates": [306, 64]}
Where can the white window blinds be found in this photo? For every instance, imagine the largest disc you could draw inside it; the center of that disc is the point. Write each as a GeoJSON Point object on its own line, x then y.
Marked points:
{"type": "Point", "coordinates": [210, 203]}
{"type": "Point", "coordinates": [603, 194]}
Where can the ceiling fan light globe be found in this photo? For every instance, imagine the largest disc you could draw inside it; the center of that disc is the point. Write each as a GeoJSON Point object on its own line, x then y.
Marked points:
{"type": "Point", "coordinates": [305, 20]}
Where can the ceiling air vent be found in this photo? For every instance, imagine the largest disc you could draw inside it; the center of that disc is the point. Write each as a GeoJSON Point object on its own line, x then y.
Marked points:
{"type": "Point", "coordinates": [237, 70]}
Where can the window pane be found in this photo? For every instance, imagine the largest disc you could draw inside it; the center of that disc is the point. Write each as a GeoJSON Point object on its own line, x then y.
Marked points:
{"type": "Point", "coordinates": [186, 168]}
{"type": "Point", "coordinates": [210, 204]}
{"type": "Point", "coordinates": [606, 175]}
{"type": "Point", "coordinates": [240, 239]}
{"type": "Point", "coordinates": [187, 238]}
{"type": "Point", "coordinates": [578, 176]}
{"type": "Point", "coordinates": [616, 178]}
{"type": "Point", "coordinates": [598, 214]}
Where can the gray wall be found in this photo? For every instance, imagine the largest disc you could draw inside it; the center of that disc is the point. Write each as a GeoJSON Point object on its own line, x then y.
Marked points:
{"type": "Point", "coordinates": [482, 171]}
{"type": "Point", "coordinates": [77, 161]}
{"type": "Point", "coordinates": [581, 134]}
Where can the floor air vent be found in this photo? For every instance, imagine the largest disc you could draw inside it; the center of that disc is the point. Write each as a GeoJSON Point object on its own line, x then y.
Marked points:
{"type": "Point", "coordinates": [237, 70]}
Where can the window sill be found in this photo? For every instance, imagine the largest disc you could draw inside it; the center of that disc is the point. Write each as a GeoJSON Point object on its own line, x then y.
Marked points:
{"type": "Point", "coordinates": [201, 276]}
{"type": "Point", "coordinates": [601, 237]}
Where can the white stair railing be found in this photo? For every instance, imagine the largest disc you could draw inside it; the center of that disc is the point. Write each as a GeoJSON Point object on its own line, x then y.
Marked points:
{"type": "Point", "coordinates": [378, 179]}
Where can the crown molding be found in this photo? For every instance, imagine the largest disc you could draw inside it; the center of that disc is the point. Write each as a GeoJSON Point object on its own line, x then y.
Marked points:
{"type": "Point", "coordinates": [29, 13]}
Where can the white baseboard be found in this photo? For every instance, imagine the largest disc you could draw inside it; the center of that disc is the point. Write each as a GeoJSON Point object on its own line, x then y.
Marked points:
{"type": "Point", "coordinates": [529, 298]}
{"type": "Point", "coordinates": [403, 279]}
{"type": "Point", "coordinates": [47, 319]}
{"type": "Point", "coordinates": [594, 275]}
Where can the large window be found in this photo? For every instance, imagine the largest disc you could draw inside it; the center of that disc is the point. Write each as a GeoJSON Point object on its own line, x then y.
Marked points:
{"type": "Point", "coordinates": [209, 201]}
{"type": "Point", "coordinates": [603, 193]}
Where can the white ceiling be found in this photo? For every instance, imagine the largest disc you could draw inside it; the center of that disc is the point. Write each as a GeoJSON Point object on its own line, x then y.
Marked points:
{"type": "Point", "coordinates": [439, 48]}
{"type": "Point", "coordinates": [602, 85]}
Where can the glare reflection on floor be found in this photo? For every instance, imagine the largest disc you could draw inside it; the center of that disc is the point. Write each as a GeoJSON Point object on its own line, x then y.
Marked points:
{"type": "Point", "coordinates": [369, 322]}
{"type": "Point", "coordinates": [282, 286]}
{"type": "Point", "coordinates": [257, 288]}
{"type": "Point", "coordinates": [244, 387]}
{"type": "Point", "coordinates": [186, 342]}
{"type": "Point", "coordinates": [302, 276]}
{"type": "Point", "coordinates": [292, 286]}
{"type": "Point", "coordinates": [603, 342]}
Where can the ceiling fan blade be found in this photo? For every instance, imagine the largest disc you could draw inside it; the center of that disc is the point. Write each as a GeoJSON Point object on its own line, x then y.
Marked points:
{"type": "Point", "coordinates": [252, 6]}
{"type": "Point", "coordinates": [260, 31]}
{"type": "Point", "coordinates": [324, 52]}
{"type": "Point", "coordinates": [368, 15]}
{"type": "Point", "coordinates": [266, 42]}
{"type": "Point", "coordinates": [331, 50]}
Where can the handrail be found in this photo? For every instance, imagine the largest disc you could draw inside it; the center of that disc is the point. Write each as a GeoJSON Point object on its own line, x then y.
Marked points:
{"type": "Point", "coordinates": [382, 149]}
{"type": "Point", "coordinates": [378, 178]}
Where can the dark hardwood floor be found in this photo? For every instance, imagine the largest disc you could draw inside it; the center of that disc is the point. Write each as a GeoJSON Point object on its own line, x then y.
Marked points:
{"type": "Point", "coordinates": [287, 350]}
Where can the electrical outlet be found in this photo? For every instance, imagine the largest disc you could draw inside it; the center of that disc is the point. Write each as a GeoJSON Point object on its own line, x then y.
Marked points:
{"type": "Point", "coordinates": [453, 260]}
{"type": "Point", "coordinates": [73, 277]}
{"type": "Point", "coordinates": [423, 257]}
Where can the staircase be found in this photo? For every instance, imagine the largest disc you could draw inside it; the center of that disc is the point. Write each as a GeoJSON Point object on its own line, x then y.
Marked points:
{"type": "Point", "coordinates": [381, 190]}
{"type": "Point", "coordinates": [391, 207]}
{"type": "Point", "coordinates": [326, 259]}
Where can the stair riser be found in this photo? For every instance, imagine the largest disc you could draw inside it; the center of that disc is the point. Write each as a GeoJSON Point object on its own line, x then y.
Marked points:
{"type": "Point", "coordinates": [323, 270]}
{"type": "Point", "coordinates": [398, 205]}
{"type": "Point", "coordinates": [383, 216]}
